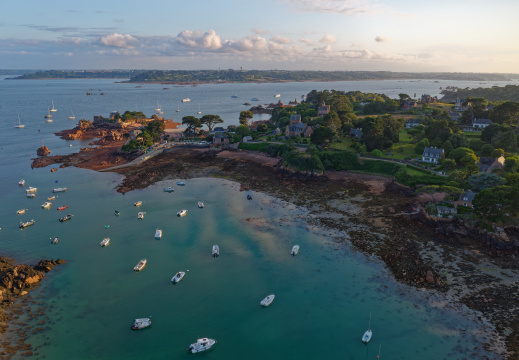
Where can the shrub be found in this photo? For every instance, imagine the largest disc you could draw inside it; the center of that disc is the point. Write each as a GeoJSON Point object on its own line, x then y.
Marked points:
{"type": "Point", "coordinates": [376, 152]}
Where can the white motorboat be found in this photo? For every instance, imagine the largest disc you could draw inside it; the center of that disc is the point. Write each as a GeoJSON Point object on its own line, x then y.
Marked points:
{"type": "Point", "coordinates": [295, 250]}
{"type": "Point", "coordinates": [140, 265]}
{"type": "Point", "coordinates": [178, 276]}
{"type": "Point", "coordinates": [59, 190]}
{"type": "Point", "coordinates": [31, 190]}
{"type": "Point", "coordinates": [181, 183]}
{"type": "Point", "coordinates": [158, 234]}
{"type": "Point", "coordinates": [201, 345]}
{"type": "Point", "coordinates": [23, 225]}
{"type": "Point", "coordinates": [138, 203]}
{"type": "Point", "coordinates": [55, 240]}
{"type": "Point", "coordinates": [182, 212]}
{"type": "Point", "coordinates": [201, 205]}
{"type": "Point", "coordinates": [105, 242]}
{"type": "Point", "coordinates": [20, 125]}
{"type": "Point", "coordinates": [255, 99]}
{"type": "Point", "coordinates": [186, 100]}
{"type": "Point", "coordinates": [50, 198]}
{"type": "Point", "coordinates": [169, 189]}
{"type": "Point", "coordinates": [216, 251]}
{"type": "Point", "coordinates": [31, 195]}
{"type": "Point", "coordinates": [21, 212]}
{"type": "Point", "coordinates": [21, 182]}
{"type": "Point", "coordinates": [53, 108]}
{"type": "Point", "coordinates": [141, 323]}
{"type": "Point", "coordinates": [140, 215]}
{"type": "Point", "coordinates": [277, 95]}
{"type": "Point", "coordinates": [46, 205]}
{"type": "Point", "coordinates": [268, 300]}
{"type": "Point", "coordinates": [72, 116]}
{"type": "Point", "coordinates": [367, 335]}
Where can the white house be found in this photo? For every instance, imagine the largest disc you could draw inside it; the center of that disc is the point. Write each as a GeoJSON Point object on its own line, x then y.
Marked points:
{"type": "Point", "coordinates": [432, 155]}
{"type": "Point", "coordinates": [480, 124]}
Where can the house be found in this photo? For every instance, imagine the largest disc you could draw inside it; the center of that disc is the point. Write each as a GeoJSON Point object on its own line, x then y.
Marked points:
{"type": "Point", "coordinates": [466, 128]}
{"type": "Point", "coordinates": [412, 123]}
{"type": "Point", "coordinates": [220, 139]}
{"type": "Point", "coordinates": [294, 119]}
{"type": "Point", "coordinates": [432, 155]}
{"type": "Point", "coordinates": [409, 105]}
{"type": "Point", "coordinates": [134, 133]}
{"type": "Point", "coordinates": [488, 164]}
{"type": "Point", "coordinates": [218, 129]}
{"type": "Point", "coordinates": [454, 115]}
{"type": "Point", "coordinates": [247, 138]}
{"type": "Point", "coordinates": [466, 199]}
{"type": "Point", "coordinates": [275, 132]}
{"type": "Point", "coordinates": [298, 130]}
{"type": "Point", "coordinates": [323, 109]}
{"type": "Point", "coordinates": [445, 210]}
{"type": "Point", "coordinates": [428, 99]}
{"type": "Point", "coordinates": [356, 133]}
{"type": "Point", "coordinates": [461, 105]}
{"type": "Point", "coordinates": [480, 124]}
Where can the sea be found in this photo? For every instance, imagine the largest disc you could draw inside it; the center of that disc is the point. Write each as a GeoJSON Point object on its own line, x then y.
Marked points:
{"type": "Point", "coordinates": [325, 296]}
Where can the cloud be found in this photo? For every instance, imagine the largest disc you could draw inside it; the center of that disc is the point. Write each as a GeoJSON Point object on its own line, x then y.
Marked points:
{"type": "Point", "coordinates": [306, 41]}
{"type": "Point", "coordinates": [53, 29]}
{"type": "Point", "coordinates": [328, 39]}
{"type": "Point", "coordinates": [118, 41]}
{"type": "Point", "coordinates": [281, 40]}
{"type": "Point", "coordinates": [259, 31]}
{"type": "Point", "coordinates": [195, 39]}
{"type": "Point", "coordinates": [249, 44]}
{"type": "Point", "coordinates": [345, 7]}
{"type": "Point", "coordinates": [356, 45]}
{"type": "Point", "coordinates": [381, 39]}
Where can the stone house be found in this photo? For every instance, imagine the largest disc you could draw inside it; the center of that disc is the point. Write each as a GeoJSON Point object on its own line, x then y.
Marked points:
{"type": "Point", "coordinates": [218, 129]}
{"type": "Point", "coordinates": [297, 128]}
{"type": "Point", "coordinates": [323, 109]}
{"type": "Point", "coordinates": [220, 139]}
{"type": "Point", "coordinates": [466, 199]}
{"type": "Point", "coordinates": [432, 155]}
{"type": "Point", "coordinates": [408, 105]}
{"type": "Point", "coordinates": [461, 104]}
{"type": "Point", "coordinates": [428, 99]}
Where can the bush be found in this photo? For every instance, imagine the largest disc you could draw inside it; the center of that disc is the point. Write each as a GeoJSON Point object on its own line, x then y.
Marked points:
{"type": "Point", "coordinates": [417, 168]}
{"type": "Point", "coordinates": [340, 160]}
{"type": "Point", "coordinates": [303, 161]}
{"type": "Point", "coordinates": [376, 153]}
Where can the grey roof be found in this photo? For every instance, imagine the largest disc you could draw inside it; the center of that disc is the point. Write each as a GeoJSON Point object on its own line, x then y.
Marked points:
{"type": "Point", "coordinates": [433, 151]}
{"type": "Point", "coordinates": [295, 117]}
{"type": "Point", "coordinates": [413, 121]}
{"type": "Point", "coordinates": [482, 121]}
{"type": "Point", "coordinates": [356, 132]}
{"type": "Point", "coordinates": [468, 196]}
{"type": "Point", "coordinates": [299, 127]}
{"type": "Point", "coordinates": [442, 208]}
{"type": "Point", "coordinates": [220, 135]}
{"type": "Point", "coordinates": [219, 128]}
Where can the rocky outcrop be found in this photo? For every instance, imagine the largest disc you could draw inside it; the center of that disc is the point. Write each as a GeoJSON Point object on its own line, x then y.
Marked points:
{"type": "Point", "coordinates": [43, 151]}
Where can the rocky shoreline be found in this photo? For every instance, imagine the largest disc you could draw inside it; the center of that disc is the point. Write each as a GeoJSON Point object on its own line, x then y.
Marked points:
{"type": "Point", "coordinates": [16, 280]}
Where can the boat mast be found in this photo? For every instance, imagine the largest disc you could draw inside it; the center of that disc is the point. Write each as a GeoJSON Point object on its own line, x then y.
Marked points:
{"type": "Point", "coordinates": [380, 347]}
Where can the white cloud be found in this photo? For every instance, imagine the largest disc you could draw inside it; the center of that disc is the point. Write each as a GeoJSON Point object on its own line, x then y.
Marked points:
{"type": "Point", "coordinates": [251, 44]}
{"type": "Point", "coordinates": [195, 39]}
{"type": "Point", "coordinates": [328, 39]}
{"type": "Point", "coordinates": [306, 41]}
{"type": "Point", "coordinates": [281, 40]}
{"type": "Point", "coordinates": [382, 39]}
{"type": "Point", "coordinates": [119, 41]}
{"type": "Point", "coordinates": [259, 31]}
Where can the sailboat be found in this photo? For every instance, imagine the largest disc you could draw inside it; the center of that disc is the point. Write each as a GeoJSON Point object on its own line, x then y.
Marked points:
{"type": "Point", "coordinates": [48, 116]}
{"type": "Point", "coordinates": [367, 335]}
{"type": "Point", "coordinates": [53, 108]}
{"type": "Point", "coordinates": [72, 116]}
{"type": "Point", "coordinates": [198, 112]}
{"type": "Point", "coordinates": [178, 109]}
{"type": "Point", "coordinates": [158, 109]}
{"type": "Point", "coordinates": [20, 125]}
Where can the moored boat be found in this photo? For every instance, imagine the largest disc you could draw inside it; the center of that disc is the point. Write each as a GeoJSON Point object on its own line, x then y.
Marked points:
{"type": "Point", "coordinates": [277, 95]}
{"type": "Point", "coordinates": [216, 251]}
{"type": "Point", "coordinates": [249, 197]}
{"type": "Point", "coordinates": [62, 208]}
{"type": "Point", "coordinates": [23, 225]}
{"type": "Point", "coordinates": [255, 99]}
{"type": "Point", "coordinates": [201, 205]}
{"type": "Point", "coordinates": [55, 240]}
{"type": "Point", "coordinates": [21, 211]}
{"type": "Point", "coordinates": [66, 218]}
{"type": "Point", "coordinates": [140, 215]}
{"type": "Point", "coordinates": [158, 234]}
{"type": "Point", "coordinates": [201, 345]}
{"type": "Point", "coordinates": [53, 108]}
{"type": "Point", "coordinates": [21, 182]}
{"type": "Point", "coordinates": [141, 323]}
{"type": "Point", "coordinates": [50, 198]}
{"type": "Point", "coordinates": [140, 265]}
{"type": "Point", "coordinates": [59, 190]}
{"type": "Point", "coordinates": [137, 203]}
{"type": "Point", "coordinates": [295, 250]}
{"type": "Point", "coordinates": [105, 242]}
{"type": "Point", "coordinates": [181, 183]}
{"type": "Point", "coordinates": [268, 300]}
{"type": "Point", "coordinates": [46, 205]}
{"type": "Point", "coordinates": [186, 100]}
{"type": "Point", "coordinates": [182, 212]}
{"type": "Point", "coordinates": [178, 276]}
{"type": "Point", "coordinates": [117, 213]}
{"type": "Point", "coordinates": [367, 335]}
{"type": "Point", "coordinates": [31, 190]}
{"type": "Point", "coordinates": [31, 195]}
{"type": "Point", "coordinates": [169, 189]}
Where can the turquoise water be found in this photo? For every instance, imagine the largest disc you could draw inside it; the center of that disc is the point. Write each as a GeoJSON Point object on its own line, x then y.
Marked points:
{"type": "Point", "coordinates": [323, 296]}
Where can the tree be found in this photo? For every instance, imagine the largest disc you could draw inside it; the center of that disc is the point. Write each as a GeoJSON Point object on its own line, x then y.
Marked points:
{"type": "Point", "coordinates": [459, 153]}
{"type": "Point", "coordinates": [482, 181]}
{"type": "Point", "coordinates": [506, 113]}
{"type": "Point", "coordinates": [421, 145]}
{"type": "Point", "coordinates": [262, 128]}
{"type": "Point", "coordinates": [211, 121]}
{"type": "Point", "coordinates": [498, 153]}
{"type": "Point", "coordinates": [511, 164]}
{"type": "Point", "coordinates": [438, 128]}
{"type": "Point", "coordinates": [193, 124]}
{"type": "Point", "coordinates": [486, 150]}
{"type": "Point", "coordinates": [332, 120]}
{"type": "Point", "coordinates": [447, 147]}
{"type": "Point", "coordinates": [458, 140]}
{"type": "Point", "coordinates": [245, 116]}
{"type": "Point", "coordinates": [448, 164]}
{"type": "Point", "coordinates": [489, 203]}
{"type": "Point", "coordinates": [321, 135]}
{"type": "Point", "coordinates": [506, 141]}
{"type": "Point", "coordinates": [243, 130]}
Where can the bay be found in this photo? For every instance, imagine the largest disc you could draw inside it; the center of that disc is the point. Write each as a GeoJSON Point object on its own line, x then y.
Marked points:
{"type": "Point", "coordinates": [323, 296]}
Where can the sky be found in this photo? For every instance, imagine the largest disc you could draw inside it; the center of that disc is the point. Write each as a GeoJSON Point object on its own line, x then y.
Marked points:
{"type": "Point", "coordinates": [347, 35]}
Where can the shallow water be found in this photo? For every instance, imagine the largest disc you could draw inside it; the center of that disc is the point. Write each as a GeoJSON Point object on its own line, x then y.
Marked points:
{"type": "Point", "coordinates": [323, 296]}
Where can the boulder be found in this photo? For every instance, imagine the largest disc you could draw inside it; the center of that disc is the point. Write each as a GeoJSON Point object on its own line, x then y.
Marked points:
{"type": "Point", "coordinates": [430, 277]}
{"type": "Point", "coordinates": [43, 151]}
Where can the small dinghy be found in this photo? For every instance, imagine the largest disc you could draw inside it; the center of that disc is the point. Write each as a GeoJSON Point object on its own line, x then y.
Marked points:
{"type": "Point", "coordinates": [158, 234]}
{"type": "Point", "coordinates": [138, 203]}
{"type": "Point", "coordinates": [181, 183]}
{"type": "Point", "coordinates": [55, 240]}
{"type": "Point", "coordinates": [31, 196]}
{"type": "Point", "coordinates": [201, 345]}
{"type": "Point", "coordinates": [50, 198]}
{"type": "Point", "coordinates": [268, 300]}
{"type": "Point", "coordinates": [141, 323]}
{"type": "Point", "coordinates": [59, 190]}
{"type": "Point", "coordinates": [62, 207]}
{"type": "Point", "coordinates": [182, 212]}
{"type": "Point", "coordinates": [21, 211]}
{"type": "Point", "coordinates": [23, 225]}
{"type": "Point", "coordinates": [295, 250]}
{"type": "Point", "coordinates": [105, 242]}
{"type": "Point", "coordinates": [140, 265]}
{"type": "Point", "coordinates": [169, 189]}
{"type": "Point", "coordinates": [216, 251]}
{"type": "Point", "coordinates": [178, 276]}
{"type": "Point", "coordinates": [117, 213]}
{"type": "Point", "coordinates": [21, 182]}
{"type": "Point", "coordinates": [201, 205]}
{"type": "Point", "coordinates": [31, 190]}
{"type": "Point", "coordinates": [46, 205]}
{"type": "Point", "coordinates": [66, 218]}
{"type": "Point", "coordinates": [140, 215]}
